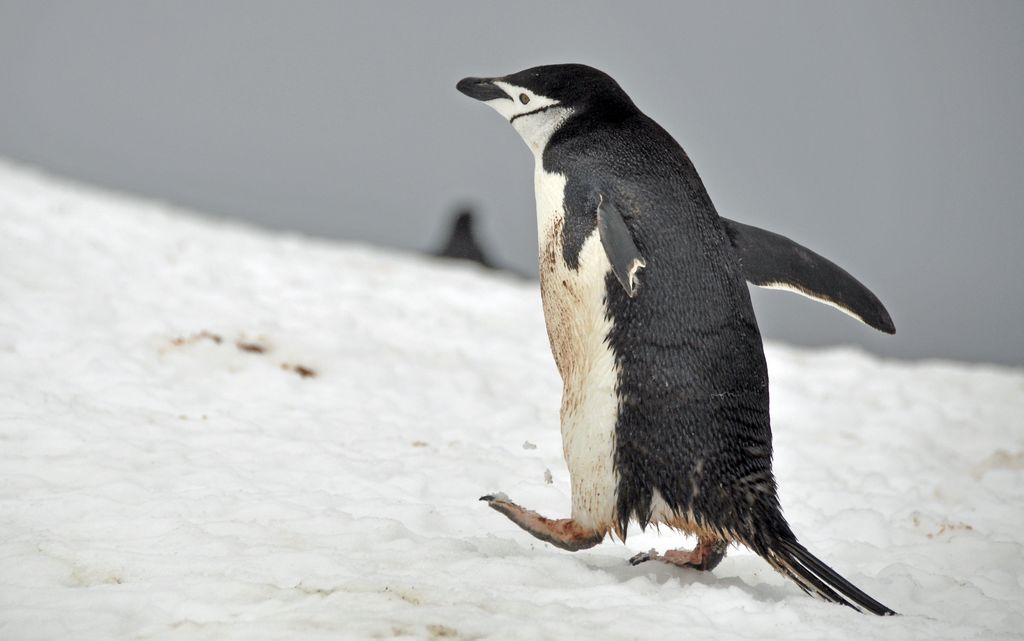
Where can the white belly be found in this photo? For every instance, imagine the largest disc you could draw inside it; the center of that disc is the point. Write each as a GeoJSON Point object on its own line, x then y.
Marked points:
{"type": "Point", "coordinates": [578, 325]}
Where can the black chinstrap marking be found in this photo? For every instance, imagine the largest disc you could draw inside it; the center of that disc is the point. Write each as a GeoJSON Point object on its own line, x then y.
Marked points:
{"type": "Point", "coordinates": [538, 110]}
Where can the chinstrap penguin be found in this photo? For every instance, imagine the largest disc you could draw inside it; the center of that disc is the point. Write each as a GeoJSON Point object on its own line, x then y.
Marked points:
{"type": "Point", "coordinates": [665, 400]}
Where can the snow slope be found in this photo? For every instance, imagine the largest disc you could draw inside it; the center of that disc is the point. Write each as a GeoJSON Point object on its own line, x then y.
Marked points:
{"type": "Point", "coordinates": [211, 432]}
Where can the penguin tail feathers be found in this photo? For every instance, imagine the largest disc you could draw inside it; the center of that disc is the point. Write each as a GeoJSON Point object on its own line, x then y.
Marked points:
{"type": "Point", "coordinates": [814, 577]}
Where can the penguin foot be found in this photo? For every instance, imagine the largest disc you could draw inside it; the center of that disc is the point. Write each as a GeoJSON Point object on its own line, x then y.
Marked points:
{"type": "Point", "coordinates": [563, 533]}
{"type": "Point", "coordinates": [706, 556]}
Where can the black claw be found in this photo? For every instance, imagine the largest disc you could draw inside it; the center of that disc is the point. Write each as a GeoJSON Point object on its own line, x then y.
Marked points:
{"type": "Point", "coordinates": [487, 497]}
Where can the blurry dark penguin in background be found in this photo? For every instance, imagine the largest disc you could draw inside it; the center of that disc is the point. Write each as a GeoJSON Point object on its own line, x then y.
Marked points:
{"type": "Point", "coordinates": [665, 400]}
{"type": "Point", "coordinates": [462, 243]}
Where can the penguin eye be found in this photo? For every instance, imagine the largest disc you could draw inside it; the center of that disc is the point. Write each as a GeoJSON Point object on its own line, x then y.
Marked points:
{"type": "Point", "coordinates": [523, 98]}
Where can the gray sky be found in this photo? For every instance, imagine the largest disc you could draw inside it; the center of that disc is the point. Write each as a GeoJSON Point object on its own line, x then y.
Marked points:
{"type": "Point", "coordinates": [886, 136]}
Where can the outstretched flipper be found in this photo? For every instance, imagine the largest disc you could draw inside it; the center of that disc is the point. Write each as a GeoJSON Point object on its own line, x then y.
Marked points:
{"type": "Point", "coordinates": [776, 262]}
{"type": "Point", "coordinates": [619, 246]}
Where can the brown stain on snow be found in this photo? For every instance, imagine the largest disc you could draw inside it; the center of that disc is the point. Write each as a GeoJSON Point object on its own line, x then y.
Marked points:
{"type": "Point", "coordinates": [301, 370]}
{"type": "Point", "coordinates": [950, 527]}
{"type": "Point", "coordinates": [438, 631]}
{"type": "Point", "coordinates": [999, 460]}
{"type": "Point", "coordinates": [181, 341]}
{"type": "Point", "coordinates": [243, 344]}
{"type": "Point", "coordinates": [250, 346]}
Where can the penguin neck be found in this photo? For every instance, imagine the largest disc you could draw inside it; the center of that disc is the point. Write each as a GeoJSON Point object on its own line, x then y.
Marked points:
{"type": "Point", "coordinates": [536, 130]}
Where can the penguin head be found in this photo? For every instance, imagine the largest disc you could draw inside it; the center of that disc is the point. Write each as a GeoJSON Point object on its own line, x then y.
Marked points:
{"type": "Point", "coordinates": [539, 100]}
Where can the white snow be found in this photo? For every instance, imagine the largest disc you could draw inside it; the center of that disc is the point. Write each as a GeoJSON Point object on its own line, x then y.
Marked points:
{"type": "Point", "coordinates": [156, 483]}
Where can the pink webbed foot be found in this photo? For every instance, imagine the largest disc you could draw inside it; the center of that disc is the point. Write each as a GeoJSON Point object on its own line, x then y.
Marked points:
{"type": "Point", "coordinates": [563, 533]}
{"type": "Point", "coordinates": [706, 556]}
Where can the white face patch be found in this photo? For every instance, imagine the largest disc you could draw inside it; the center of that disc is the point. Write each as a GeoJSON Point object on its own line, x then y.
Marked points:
{"type": "Point", "coordinates": [533, 115]}
{"type": "Point", "coordinates": [522, 103]}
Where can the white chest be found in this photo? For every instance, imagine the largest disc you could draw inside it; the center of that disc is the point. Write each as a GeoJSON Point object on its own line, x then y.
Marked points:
{"type": "Point", "coordinates": [578, 325]}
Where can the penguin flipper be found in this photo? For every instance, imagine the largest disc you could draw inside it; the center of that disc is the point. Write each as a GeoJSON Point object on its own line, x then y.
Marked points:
{"type": "Point", "coordinates": [618, 245]}
{"type": "Point", "coordinates": [775, 262]}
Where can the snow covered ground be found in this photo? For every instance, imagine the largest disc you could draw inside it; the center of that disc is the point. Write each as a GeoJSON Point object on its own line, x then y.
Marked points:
{"type": "Point", "coordinates": [211, 432]}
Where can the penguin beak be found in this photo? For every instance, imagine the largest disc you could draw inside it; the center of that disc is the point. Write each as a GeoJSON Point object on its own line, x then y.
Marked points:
{"type": "Point", "coordinates": [482, 89]}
